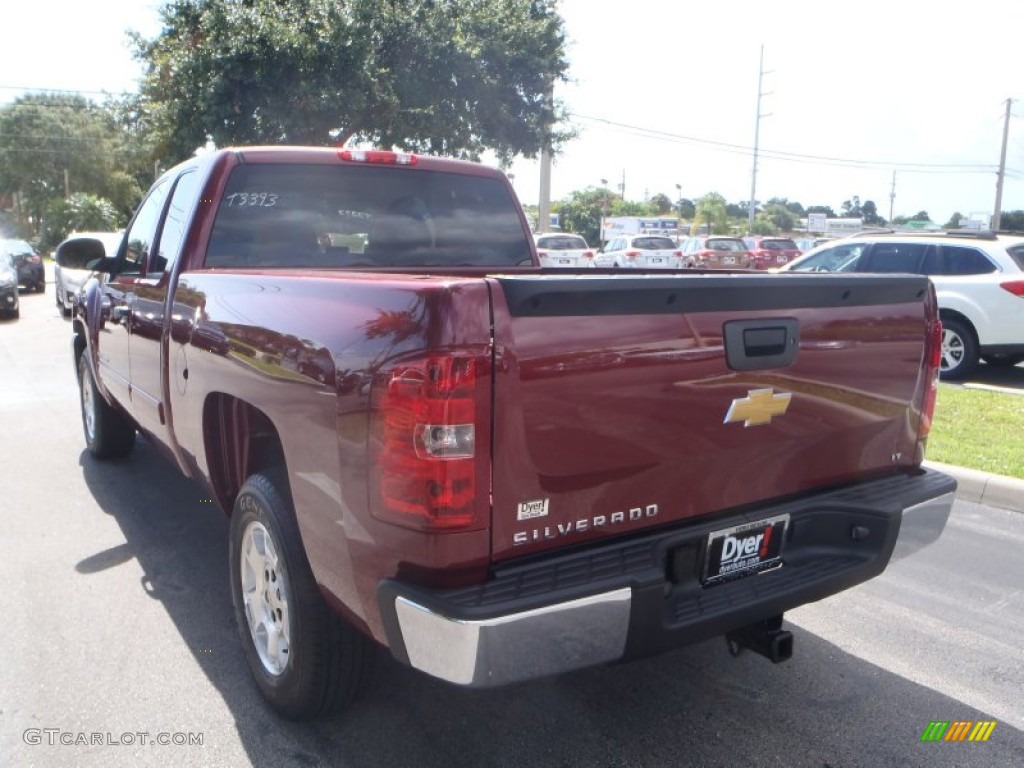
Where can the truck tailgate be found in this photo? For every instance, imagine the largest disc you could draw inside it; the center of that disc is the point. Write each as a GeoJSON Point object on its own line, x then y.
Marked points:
{"type": "Point", "coordinates": [626, 402]}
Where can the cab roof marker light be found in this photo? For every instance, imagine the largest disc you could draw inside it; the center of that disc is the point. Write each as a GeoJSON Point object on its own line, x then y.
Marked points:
{"type": "Point", "coordinates": [378, 157]}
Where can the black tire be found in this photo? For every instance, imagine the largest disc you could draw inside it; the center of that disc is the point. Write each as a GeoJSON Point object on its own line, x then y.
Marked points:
{"type": "Point", "coordinates": [1003, 361]}
{"type": "Point", "coordinates": [305, 660]}
{"type": "Point", "coordinates": [109, 434]}
{"type": "Point", "coordinates": [959, 350]}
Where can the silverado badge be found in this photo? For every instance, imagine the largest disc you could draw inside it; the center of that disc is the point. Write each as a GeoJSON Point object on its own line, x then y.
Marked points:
{"type": "Point", "coordinates": [758, 407]}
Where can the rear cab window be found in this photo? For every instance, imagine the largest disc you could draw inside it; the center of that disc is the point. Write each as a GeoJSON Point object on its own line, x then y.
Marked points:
{"type": "Point", "coordinates": [654, 243]}
{"type": "Point", "coordinates": [726, 244]}
{"type": "Point", "coordinates": [562, 243]}
{"type": "Point", "coordinates": [312, 216]}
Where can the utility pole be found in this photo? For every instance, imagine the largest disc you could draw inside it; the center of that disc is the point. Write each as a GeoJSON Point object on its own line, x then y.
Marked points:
{"type": "Point", "coordinates": [997, 213]}
{"type": "Point", "coordinates": [892, 196]}
{"type": "Point", "coordinates": [544, 198]}
{"type": "Point", "coordinates": [757, 135]}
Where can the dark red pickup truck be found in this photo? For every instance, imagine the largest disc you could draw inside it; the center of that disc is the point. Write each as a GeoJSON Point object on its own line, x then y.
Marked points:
{"type": "Point", "coordinates": [496, 471]}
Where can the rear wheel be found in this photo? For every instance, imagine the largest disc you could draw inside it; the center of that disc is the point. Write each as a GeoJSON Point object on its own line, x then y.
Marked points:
{"type": "Point", "coordinates": [959, 350]}
{"type": "Point", "coordinates": [108, 432]}
{"type": "Point", "coordinates": [305, 660]}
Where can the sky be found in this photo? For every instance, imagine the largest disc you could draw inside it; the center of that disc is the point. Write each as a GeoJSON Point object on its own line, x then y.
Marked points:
{"type": "Point", "coordinates": [666, 94]}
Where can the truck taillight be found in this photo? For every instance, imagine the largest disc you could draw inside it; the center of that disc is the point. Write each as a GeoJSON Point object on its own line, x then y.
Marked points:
{"type": "Point", "coordinates": [1016, 287]}
{"type": "Point", "coordinates": [933, 361]}
{"type": "Point", "coordinates": [430, 444]}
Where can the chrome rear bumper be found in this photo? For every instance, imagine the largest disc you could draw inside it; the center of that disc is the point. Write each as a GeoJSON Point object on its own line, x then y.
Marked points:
{"type": "Point", "coordinates": [513, 629]}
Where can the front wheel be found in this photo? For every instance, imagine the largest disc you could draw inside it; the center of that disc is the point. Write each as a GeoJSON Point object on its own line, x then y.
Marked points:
{"type": "Point", "coordinates": [305, 660]}
{"type": "Point", "coordinates": [959, 350]}
{"type": "Point", "coordinates": [108, 432]}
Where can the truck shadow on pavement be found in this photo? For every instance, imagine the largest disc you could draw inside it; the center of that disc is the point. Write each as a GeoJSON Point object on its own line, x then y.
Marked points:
{"type": "Point", "coordinates": [693, 707]}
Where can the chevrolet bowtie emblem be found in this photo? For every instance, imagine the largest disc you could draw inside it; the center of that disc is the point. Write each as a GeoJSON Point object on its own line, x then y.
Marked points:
{"type": "Point", "coordinates": [758, 407]}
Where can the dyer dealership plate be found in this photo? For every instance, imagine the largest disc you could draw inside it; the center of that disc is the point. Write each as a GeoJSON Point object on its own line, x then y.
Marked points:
{"type": "Point", "coordinates": [744, 549]}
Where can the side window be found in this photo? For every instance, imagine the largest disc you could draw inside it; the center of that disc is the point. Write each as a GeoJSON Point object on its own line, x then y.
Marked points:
{"type": "Point", "coordinates": [961, 260]}
{"type": "Point", "coordinates": [894, 258]}
{"type": "Point", "coordinates": [839, 258]}
{"type": "Point", "coordinates": [175, 223]}
{"type": "Point", "coordinates": [143, 230]}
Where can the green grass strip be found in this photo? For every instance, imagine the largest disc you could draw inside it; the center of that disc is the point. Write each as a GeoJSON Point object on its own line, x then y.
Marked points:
{"type": "Point", "coordinates": [979, 429]}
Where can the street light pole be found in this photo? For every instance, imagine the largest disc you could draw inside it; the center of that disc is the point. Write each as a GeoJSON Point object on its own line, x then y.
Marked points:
{"type": "Point", "coordinates": [679, 200]}
{"type": "Point", "coordinates": [604, 209]}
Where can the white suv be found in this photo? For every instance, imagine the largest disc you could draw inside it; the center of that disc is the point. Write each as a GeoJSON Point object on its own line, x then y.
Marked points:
{"type": "Point", "coordinates": [978, 278]}
{"type": "Point", "coordinates": [640, 252]}
{"type": "Point", "coordinates": [556, 249]}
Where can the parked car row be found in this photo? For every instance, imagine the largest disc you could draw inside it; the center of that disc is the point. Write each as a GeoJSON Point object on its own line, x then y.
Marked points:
{"type": "Point", "coordinates": [27, 263]}
{"type": "Point", "coordinates": [650, 251]}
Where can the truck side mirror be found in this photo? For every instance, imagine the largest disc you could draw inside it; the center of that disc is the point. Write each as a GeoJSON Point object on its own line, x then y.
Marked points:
{"type": "Point", "coordinates": [80, 253]}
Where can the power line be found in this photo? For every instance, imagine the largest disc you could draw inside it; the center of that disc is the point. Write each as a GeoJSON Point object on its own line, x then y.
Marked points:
{"type": "Point", "coordinates": [784, 155]}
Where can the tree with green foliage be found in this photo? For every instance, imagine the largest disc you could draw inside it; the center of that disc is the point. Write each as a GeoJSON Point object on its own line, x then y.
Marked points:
{"type": "Point", "coordinates": [50, 144]}
{"type": "Point", "coordinates": [954, 221]}
{"type": "Point", "coordinates": [763, 225]}
{"type": "Point", "coordinates": [781, 217]}
{"type": "Point", "coordinates": [794, 208]}
{"type": "Point", "coordinates": [1012, 220]}
{"type": "Point", "coordinates": [738, 210]}
{"type": "Point", "coordinates": [711, 208]}
{"type": "Point", "coordinates": [79, 213]}
{"type": "Point", "coordinates": [449, 77]}
{"type": "Point", "coordinates": [661, 204]}
{"type": "Point", "coordinates": [581, 213]}
{"type": "Point", "coordinates": [826, 209]}
{"type": "Point", "coordinates": [870, 213]}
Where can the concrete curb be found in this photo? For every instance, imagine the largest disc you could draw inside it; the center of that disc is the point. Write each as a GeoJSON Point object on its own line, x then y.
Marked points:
{"type": "Point", "coordinates": [984, 487]}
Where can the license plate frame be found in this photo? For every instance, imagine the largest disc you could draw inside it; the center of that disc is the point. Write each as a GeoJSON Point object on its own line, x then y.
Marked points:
{"type": "Point", "coordinates": [742, 550]}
